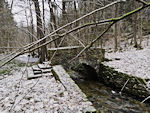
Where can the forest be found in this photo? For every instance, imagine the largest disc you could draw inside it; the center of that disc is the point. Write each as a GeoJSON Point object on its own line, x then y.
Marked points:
{"type": "Point", "coordinates": [74, 56]}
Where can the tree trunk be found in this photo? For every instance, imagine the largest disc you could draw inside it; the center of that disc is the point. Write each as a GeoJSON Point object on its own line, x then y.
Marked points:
{"type": "Point", "coordinates": [53, 21]}
{"type": "Point", "coordinates": [40, 33]}
{"type": "Point", "coordinates": [141, 29]}
{"type": "Point", "coordinates": [63, 9]}
{"type": "Point", "coordinates": [116, 28]}
{"type": "Point", "coordinates": [135, 26]}
{"type": "Point", "coordinates": [43, 9]}
{"type": "Point", "coordinates": [32, 26]}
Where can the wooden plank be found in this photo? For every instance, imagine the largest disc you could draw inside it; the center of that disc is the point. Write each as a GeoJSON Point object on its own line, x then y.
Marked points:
{"type": "Point", "coordinates": [36, 68]}
{"type": "Point", "coordinates": [64, 48]}
{"type": "Point", "coordinates": [37, 72]}
{"type": "Point", "coordinates": [31, 75]}
{"type": "Point", "coordinates": [46, 70]}
{"type": "Point", "coordinates": [47, 74]}
{"type": "Point", "coordinates": [61, 75]}
{"type": "Point", "coordinates": [70, 47]}
{"type": "Point", "coordinates": [47, 62]}
{"type": "Point", "coordinates": [44, 66]}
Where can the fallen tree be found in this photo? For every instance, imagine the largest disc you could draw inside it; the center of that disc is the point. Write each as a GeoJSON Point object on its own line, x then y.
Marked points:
{"type": "Point", "coordinates": [31, 47]}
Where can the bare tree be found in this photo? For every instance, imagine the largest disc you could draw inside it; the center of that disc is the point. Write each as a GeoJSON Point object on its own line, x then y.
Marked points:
{"type": "Point", "coordinates": [40, 33]}
{"type": "Point", "coordinates": [85, 21]}
{"type": "Point", "coordinates": [134, 25]}
{"type": "Point", "coordinates": [43, 9]}
{"type": "Point", "coordinates": [116, 28]}
{"type": "Point", "coordinates": [53, 21]}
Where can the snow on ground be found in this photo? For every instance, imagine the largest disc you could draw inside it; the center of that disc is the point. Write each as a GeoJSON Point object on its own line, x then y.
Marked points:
{"type": "Point", "coordinates": [133, 62]}
{"type": "Point", "coordinates": [27, 58]}
{"type": "Point", "coordinates": [42, 95]}
{"type": "Point", "coordinates": [126, 45]}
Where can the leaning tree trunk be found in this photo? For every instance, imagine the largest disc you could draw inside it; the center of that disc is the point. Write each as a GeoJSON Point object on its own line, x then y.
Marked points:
{"type": "Point", "coordinates": [40, 33]}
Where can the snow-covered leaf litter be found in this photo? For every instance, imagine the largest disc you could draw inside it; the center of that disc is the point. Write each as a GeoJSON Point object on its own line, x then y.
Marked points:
{"type": "Point", "coordinates": [134, 62]}
{"type": "Point", "coordinates": [47, 96]}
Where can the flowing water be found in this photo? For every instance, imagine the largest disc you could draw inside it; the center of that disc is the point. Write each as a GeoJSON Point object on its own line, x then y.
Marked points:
{"type": "Point", "coordinates": [105, 100]}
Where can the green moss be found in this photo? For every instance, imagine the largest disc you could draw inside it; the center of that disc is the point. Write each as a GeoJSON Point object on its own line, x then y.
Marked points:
{"type": "Point", "coordinates": [21, 64]}
{"type": "Point", "coordinates": [4, 71]}
{"type": "Point", "coordinates": [128, 14]}
{"type": "Point", "coordinates": [116, 80]}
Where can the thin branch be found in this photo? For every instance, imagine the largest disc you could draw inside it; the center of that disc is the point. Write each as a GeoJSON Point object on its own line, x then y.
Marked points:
{"type": "Point", "coordinates": [68, 24]}
{"type": "Point", "coordinates": [57, 49]}
{"type": "Point", "coordinates": [59, 36]}
{"type": "Point", "coordinates": [124, 86]}
{"type": "Point", "coordinates": [114, 20]}
{"type": "Point", "coordinates": [19, 83]}
{"type": "Point", "coordinates": [76, 38]}
{"type": "Point", "coordinates": [30, 90]}
{"type": "Point", "coordinates": [19, 49]}
{"type": "Point", "coordinates": [90, 45]}
{"type": "Point", "coordinates": [145, 99]}
{"type": "Point", "coordinates": [25, 50]}
{"type": "Point", "coordinates": [141, 1]}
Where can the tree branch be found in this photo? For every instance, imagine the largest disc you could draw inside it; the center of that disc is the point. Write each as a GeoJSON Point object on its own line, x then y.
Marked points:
{"type": "Point", "coordinates": [68, 24]}
{"type": "Point", "coordinates": [90, 45]}
{"type": "Point", "coordinates": [141, 1]}
{"type": "Point", "coordinates": [113, 20]}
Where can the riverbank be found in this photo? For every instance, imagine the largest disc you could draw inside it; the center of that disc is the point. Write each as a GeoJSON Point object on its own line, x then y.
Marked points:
{"type": "Point", "coordinates": [133, 62]}
{"type": "Point", "coordinates": [106, 100]}
{"type": "Point", "coordinates": [42, 95]}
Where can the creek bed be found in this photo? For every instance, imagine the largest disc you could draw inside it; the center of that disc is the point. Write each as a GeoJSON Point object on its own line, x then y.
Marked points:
{"type": "Point", "coordinates": [105, 100]}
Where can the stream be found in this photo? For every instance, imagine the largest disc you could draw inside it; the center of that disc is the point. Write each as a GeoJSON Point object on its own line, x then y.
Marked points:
{"type": "Point", "coordinates": [105, 100]}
